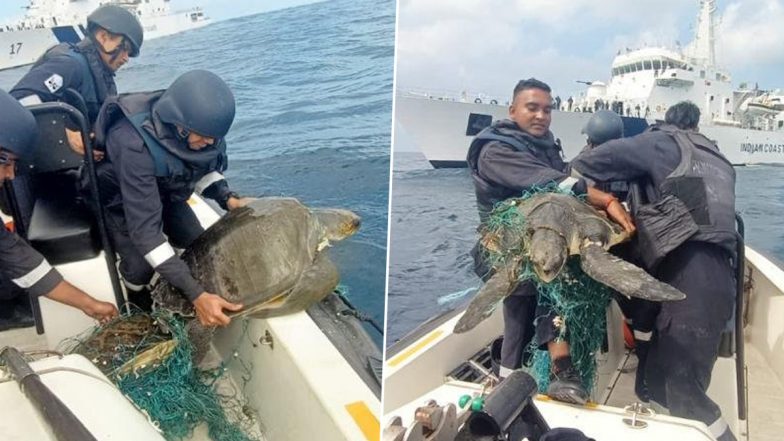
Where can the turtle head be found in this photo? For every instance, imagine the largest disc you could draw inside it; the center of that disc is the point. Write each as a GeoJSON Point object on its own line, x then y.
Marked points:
{"type": "Point", "coordinates": [548, 253]}
{"type": "Point", "coordinates": [338, 224]}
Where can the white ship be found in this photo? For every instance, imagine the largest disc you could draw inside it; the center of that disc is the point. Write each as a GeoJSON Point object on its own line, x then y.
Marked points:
{"type": "Point", "coordinates": [49, 22]}
{"type": "Point", "coordinates": [747, 123]}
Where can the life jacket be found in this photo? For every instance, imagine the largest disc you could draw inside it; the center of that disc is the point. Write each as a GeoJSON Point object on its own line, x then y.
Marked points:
{"type": "Point", "coordinates": [177, 175]}
{"type": "Point", "coordinates": [91, 72]}
{"type": "Point", "coordinates": [705, 182]}
{"type": "Point", "coordinates": [695, 202]}
{"type": "Point", "coordinates": [487, 193]}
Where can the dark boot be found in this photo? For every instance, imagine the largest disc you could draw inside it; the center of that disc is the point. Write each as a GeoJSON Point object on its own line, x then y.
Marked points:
{"type": "Point", "coordinates": [565, 382]}
{"type": "Point", "coordinates": [640, 388]}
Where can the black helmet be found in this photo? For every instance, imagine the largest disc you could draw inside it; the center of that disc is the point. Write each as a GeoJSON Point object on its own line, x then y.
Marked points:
{"type": "Point", "coordinates": [17, 127]}
{"type": "Point", "coordinates": [603, 126]}
{"type": "Point", "coordinates": [120, 21]}
{"type": "Point", "coordinates": [198, 101]}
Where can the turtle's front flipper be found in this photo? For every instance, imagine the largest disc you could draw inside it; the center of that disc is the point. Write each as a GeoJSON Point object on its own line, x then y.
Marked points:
{"type": "Point", "coordinates": [314, 284]}
{"type": "Point", "coordinates": [482, 306]}
{"type": "Point", "coordinates": [622, 276]}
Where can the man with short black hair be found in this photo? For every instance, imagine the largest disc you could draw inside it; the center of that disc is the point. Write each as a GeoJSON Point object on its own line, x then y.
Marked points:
{"type": "Point", "coordinates": [506, 159]}
{"type": "Point", "coordinates": [693, 189]}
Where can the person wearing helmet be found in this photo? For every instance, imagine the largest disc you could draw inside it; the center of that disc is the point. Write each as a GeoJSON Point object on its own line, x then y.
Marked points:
{"type": "Point", "coordinates": [113, 35]}
{"type": "Point", "coordinates": [160, 148]}
{"type": "Point", "coordinates": [506, 159]}
{"type": "Point", "coordinates": [87, 68]}
{"type": "Point", "coordinates": [19, 262]}
{"type": "Point", "coordinates": [640, 314]}
{"type": "Point", "coordinates": [688, 239]}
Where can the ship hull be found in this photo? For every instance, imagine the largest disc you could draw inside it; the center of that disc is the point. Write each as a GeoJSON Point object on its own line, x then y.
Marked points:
{"type": "Point", "coordinates": [442, 131]}
{"type": "Point", "coordinates": [20, 48]}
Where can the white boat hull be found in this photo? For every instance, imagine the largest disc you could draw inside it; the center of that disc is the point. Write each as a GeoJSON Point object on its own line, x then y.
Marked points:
{"type": "Point", "coordinates": [438, 129]}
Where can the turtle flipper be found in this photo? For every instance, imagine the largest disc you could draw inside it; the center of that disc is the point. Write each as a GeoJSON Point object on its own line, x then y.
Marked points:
{"type": "Point", "coordinates": [482, 306]}
{"type": "Point", "coordinates": [315, 284]}
{"type": "Point", "coordinates": [624, 277]}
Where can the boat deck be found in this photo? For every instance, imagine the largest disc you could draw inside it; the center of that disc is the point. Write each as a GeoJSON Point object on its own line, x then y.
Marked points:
{"type": "Point", "coordinates": [26, 339]}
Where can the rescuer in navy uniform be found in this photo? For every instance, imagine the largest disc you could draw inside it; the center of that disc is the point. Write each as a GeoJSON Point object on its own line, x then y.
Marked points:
{"type": "Point", "coordinates": [506, 159]}
{"type": "Point", "coordinates": [640, 314]}
{"type": "Point", "coordinates": [88, 67]}
{"type": "Point", "coordinates": [693, 186]}
{"type": "Point", "coordinates": [19, 262]}
{"type": "Point", "coordinates": [160, 148]}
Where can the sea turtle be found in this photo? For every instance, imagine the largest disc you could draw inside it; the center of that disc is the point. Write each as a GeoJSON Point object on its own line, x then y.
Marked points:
{"type": "Point", "coordinates": [558, 225]}
{"type": "Point", "coordinates": [267, 255]}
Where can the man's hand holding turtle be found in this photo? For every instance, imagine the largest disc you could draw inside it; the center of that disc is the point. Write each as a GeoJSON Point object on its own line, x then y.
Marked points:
{"type": "Point", "coordinates": [209, 309]}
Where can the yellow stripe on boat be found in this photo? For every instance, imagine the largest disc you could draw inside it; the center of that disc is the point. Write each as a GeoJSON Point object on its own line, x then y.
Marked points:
{"type": "Point", "coordinates": [416, 348]}
{"type": "Point", "coordinates": [364, 418]}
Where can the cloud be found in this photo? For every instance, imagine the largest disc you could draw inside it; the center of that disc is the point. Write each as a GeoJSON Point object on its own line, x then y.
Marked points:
{"type": "Point", "coordinates": [752, 33]}
{"type": "Point", "coordinates": [486, 46]}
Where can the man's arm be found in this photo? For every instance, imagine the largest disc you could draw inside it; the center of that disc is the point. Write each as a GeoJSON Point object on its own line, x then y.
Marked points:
{"type": "Point", "coordinates": [214, 186]}
{"type": "Point", "coordinates": [47, 81]}
{"type": "Point", "coordinates": [29, 270]}
{"type": "Point", "coordinates": [624, 159]}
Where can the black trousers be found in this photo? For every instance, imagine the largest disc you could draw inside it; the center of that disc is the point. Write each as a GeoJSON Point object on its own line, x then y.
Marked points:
{"type": "Point", "coordinates": [686, 338]}
{"type": "Point", "coordinates": [180, 225]}
{"type": "Point", "coordinates": [525, 320]}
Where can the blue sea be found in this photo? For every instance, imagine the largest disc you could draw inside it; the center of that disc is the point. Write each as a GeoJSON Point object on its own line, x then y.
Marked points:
{"type": "Point", "coordinates": [313, 86]}
{"type": "Point", "coordinates": [433, 221]}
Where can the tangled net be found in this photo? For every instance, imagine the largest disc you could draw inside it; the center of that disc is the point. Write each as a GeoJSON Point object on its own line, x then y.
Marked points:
{"type": "Point", "coordinates": [578, 300]}
{"type": "Point", "coordinates": [148, 357]}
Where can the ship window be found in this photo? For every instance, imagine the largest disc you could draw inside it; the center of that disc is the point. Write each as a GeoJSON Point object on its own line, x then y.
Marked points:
{"type": "Point", "coordinates": [702, 74]}
{"type": "Point", "coordinates": [657, 64]}
{"type": "Point", "coordinates": [477, 122]}
{"type": "Point", "coordinates": [726, 100]}
{"type": "Point", "coordinates": [614, 71]}
{"type": "Point", "coordinates": [718, 77]}
{"type": "Point", "coordinates": [627, 69]}
{"type": "Point", "coordinates": [639, 65]}
{"type": "Point", "coordinates": [781, 124]}
{"type": "Point", "coordinates": [647, 65]}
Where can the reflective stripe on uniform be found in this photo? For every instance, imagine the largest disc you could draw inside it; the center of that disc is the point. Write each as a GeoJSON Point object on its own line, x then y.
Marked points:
{"type": "Point", "coordinates": [568, 183]}
{"type": "Point", "coordinates": [31, 278]}
{"type": "Point", "coordinates": [643, 336]}
{"type": "Point", "coordinates": [504, 371]}
{"type": "Point", "coordinates": [30, 100]}
{"type": "Point", "coordinates": [132, 286]}
{"type": "Point", "coordinates": [718, 427]}
{"type": "Point", "coordinates": [207, 180]}
{"type": "Point", "coordinates": [160, 254]}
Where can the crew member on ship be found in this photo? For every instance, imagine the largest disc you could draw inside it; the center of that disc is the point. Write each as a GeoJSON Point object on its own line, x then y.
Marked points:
{"type": "Point", "coordinates": [160, 148]}
{"type": "Point", "coordinates": [88, 68]}
{"type": "Point", "coordinates": [691, 245]}
{"type": "Point", "coordinates": [507, 158]}
{"type": "Point", "coordinates": [19, 262]}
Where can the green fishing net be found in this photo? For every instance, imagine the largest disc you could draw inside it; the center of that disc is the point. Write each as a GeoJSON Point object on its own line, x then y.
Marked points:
{"type": "Point", "coordinates": [579, 301]}
{"type": "Point", "coordinates": [148, 357]}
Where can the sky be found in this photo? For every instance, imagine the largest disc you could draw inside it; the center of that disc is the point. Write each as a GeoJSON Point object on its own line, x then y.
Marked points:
{"type": "Point", "coordinates": [485, 46]}
{"type": "Point", "coordinates": [217, 9]}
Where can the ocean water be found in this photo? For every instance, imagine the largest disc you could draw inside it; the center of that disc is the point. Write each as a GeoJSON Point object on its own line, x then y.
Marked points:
{"type": "Point", "coordinates": [313, 86]}
{"type": "Point", "coordinates": [433, 221]}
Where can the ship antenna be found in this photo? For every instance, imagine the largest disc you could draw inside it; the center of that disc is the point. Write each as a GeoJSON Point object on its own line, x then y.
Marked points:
{"type": "Point", "coordinates": [703, 49]}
